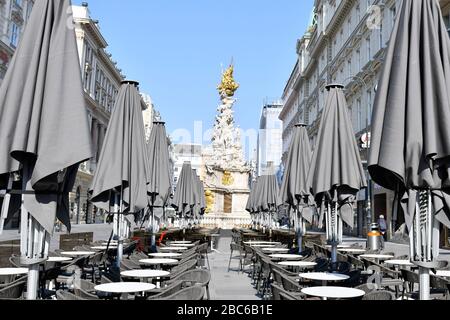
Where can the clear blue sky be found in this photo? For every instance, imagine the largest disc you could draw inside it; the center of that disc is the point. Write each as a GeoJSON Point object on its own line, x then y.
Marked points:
{"type": "Point", "coordinates": [175, 49]}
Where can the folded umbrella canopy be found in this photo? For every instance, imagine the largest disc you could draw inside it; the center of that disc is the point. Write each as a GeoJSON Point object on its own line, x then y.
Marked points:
{"type": "Point", "coordinates": [336, 174]}
{"type": "Point", "coordinates": [44, 129]}
{"type": "Point", "coordinates": [267, 201]}
{"type": "Point", "coordinates": [160, 186]}
{"type": "Point", "coordinates": [250, 206]}
{"type": "Point", "coordinates": [121, 177]}
{"type": "Point", "coordinates": [294, 190]}
{"type": "Point", "coordinates": [410, 149]}
{"type": "Point", "coordinates": [184, 198]}
{"type": "Point", "coordinates": [200, 201]}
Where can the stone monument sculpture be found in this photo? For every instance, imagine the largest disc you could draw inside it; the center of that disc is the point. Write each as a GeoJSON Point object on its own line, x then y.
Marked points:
{"type": "Point", "coordinates": [227, 172]}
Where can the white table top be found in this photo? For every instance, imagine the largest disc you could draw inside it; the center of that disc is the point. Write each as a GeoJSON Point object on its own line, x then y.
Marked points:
{"type": "Point", "coordinates": [301, 264]}
{"type": "Point", "coordinates": [172, 248]}
{"type": "Point", "coordinates": [443, 273]}
{"type": "Point", "coordinates": [333, 292]}
{"type": "Point", "coordinates": [180, 242]}
{"type": "Point", "coordinates": [78, 253]}
{"type": "Point", "coordinates": [165, 255]}
{"type": "Point", "coordinates": [13, 271]}
{"type": "Point", "coordinates": [187, 245]}
{"type": "Point", "coordinates": [350, 250]}
{"type": "Point", "coordinates": [275, 249]}
{"type": "Point", "coordinates": [59, 259]}
{"type": "Point", "coordinates": [145, 273]}
{"type": "Point", "coordinates": [286, 256]}
{"type": "Point", "coordinates": [113, 243]}
{"type": "Point", "coordinates": [377, 256]}
{"type": "Point", "coordinates": [324, 276]}
{"type": "Point", "coordinates": [263, 245]}
{"type": "Point", "coordinates": [104, 247]}
{"type": "Point", "coordinates": [260, 242]}
{"type": "Point", "coordinates": [405, 263]}
{"type": "Point", "coordinates": [340, 246]}
{"type": "Point", "coordinates": [158, 261]}
{"type": "Point", "coordinates": [125, 287]}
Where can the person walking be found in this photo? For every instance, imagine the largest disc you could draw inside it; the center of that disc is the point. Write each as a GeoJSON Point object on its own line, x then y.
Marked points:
{"type": "Point", "coordinates": [383, 226]}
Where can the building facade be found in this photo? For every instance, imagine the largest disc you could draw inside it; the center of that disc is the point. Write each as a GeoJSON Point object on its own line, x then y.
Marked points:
{"type": "Point", "coordinates": [14, 16]}
{"type": "Point", "coordinates": [345, 43]}
{"type": "Point", "coordinates": [270, 140]}
{"type": "Point", "coordinates": [182, 153]}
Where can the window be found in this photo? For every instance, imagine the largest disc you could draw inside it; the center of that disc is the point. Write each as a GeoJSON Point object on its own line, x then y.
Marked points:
{"type": "Point", "coordinates": [29, 8]}
{"type": "Point", "coordinates": [369, 49]}
{"type": "Point", "coordinates": [15, 34]}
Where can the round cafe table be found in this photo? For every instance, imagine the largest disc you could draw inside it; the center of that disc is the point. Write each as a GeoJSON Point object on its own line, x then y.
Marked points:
{"type": "Point", "coordinates": [324, 277]}
{"type": "Point", "coordinates": [13, 271]}
{"type": "Point", "coordinates": [286, 256]}
{"type": "Point", "coordinates": [145, 274]}
{"type": "Point", "coordinates": [125, 287]}
{"type": "Point", "coordinates": [377, 257]}
{"type": "Point", "coordinates": [263, 245]}
{"type": "Point", "coordinates": [333, 292]}
{"type": "Point", "coordinates": [59, 259]}
{"type": "Point", "coordinates": [298, 264]}
{"type": "Point", "coordinates": [340, 246]}
{"type": "Point", "coordinates": [159, 262]}
{"type": "Point", "coordinates": [172, 248]}
{"type": "Point", "coordinates": [101, 248]}
{"type": "Point", "coordinates": [260, 242]}
{"type": "Point", "coordinates": [275, 250]}
{"type": "Point", "coordinates": [353, 251]}
{"type": "Point", "coordinates": [180, 242]}
{"type": "Point", "coordinates": [401, 263]}
{"type": "Point", "coordinates": [187, 245]}
{"type": "Point", "coordinates": [78, 253]}
{"type": "Point", "coordinates": [165, 255]}
{"type": "Point", "coordinates": [443, 273]}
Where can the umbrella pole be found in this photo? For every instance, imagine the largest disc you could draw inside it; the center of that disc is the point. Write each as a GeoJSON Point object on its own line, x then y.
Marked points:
{"type": "Point", "coordinates": [31, 236]}
{"type": "Point", "coordinates": [153, 230]}
{"type": "Point", "coordinates": [425, 227]}
{"type": "Point", "coordinates": [117, 227]}
{"type": "Point", "coordinates": [334, 236]}
{"type": "Point", "coordinates": [299, 231]}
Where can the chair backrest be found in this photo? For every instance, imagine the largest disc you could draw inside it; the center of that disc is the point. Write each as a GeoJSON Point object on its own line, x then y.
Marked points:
{"type": "Point", "coordinates": [168, 291]}
{"type": "Point", "coordinates": [127, 264]}
{"type": "Point", "coordinates": [367, 287]}
{"type": "Point", "coordinates": [322, 265]}
{"type": "Point", "coordinates": [356, 263]}
{"type": "Point", "coordinates": [15, 261]}
{"type": "Point", "coordinates": [13, 290]}
{"type": "Point", "coordinates": [276, 289]}
{"type": "Point", "coordinates": [289, 284]}
{"type": "Point", "coordinates": [65, 295]}
{"type": "Point", "coordinates": [438, 283]}
{"type": "Point", "coordinates": [286, 296]}
{"type": "Point", "coordinates": [187, 294]}
{"type": "Point", "coordinates": [186, 266]}
{"type": "Point", "coordinates": [199, 276]}
{"type": "Point", "coordinates": [379, 295]}
{"type": "Point", "coordinates": [410, 276]}
{"type": "Point", "coordinates": [236, 247]}
{"type": "Point", "coordinates": [340, 266]}
{"type": "Point", "coordinates": [85, 289]}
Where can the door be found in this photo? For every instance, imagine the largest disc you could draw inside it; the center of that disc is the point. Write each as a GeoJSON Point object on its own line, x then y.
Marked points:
{"type": "Point", "coordinates": [228, 203]}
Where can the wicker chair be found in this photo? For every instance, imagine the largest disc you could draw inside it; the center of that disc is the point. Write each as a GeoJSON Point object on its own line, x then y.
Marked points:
{"type": "Point", "coordinates": [65, 295]}
{"type": "Point", "coordinates": [278, 293]}
{"type": "Point", "coordinates": [195, 277]}
{"type": "Point", "coordinates": [236, 248]}
{"type": "Point", "coordinates": [187, 294]}
{"type": "Point", "coordinates": [367, 288]}
{"type": "Point", "coordinates": [167, 291]}
{"type": "Point", "coordinates": [127, 264]}
{"type": "Point", "coordinates": [85, 289]}
{"type": "Point", "coordinates": [379, 295]}
{"type": "Point", "coordinates": [13, 290]}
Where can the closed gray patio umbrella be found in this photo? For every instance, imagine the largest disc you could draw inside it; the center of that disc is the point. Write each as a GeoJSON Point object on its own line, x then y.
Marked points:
{"type": "Point", "coordinates": [200, 201]}
{"type": "Point", "coordinates": [121, 177]}
{"type": "Point", "coordinates": [336, 174]}
{"type": "Point", "coordinates": [294, 191]}
{"type": "Point", "coordinates": [44, 129]}
{"type": "Point", "coordinates": [184, 199]}
{"type": "Point", "coordinates": [410, 149]}
{"type": "Point", "coordinates": [267, 201]}
{"type": "Point", "coordinates": [160, 185]}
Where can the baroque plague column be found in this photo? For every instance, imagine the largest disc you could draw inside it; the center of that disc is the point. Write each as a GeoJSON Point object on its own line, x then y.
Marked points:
{"type": "Point", "coordinates": [226, 174]}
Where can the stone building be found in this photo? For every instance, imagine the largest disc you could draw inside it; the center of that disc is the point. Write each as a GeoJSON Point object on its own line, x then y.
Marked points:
{"type": "Point", "coordinates": [345, 43]}
{"type": "Point", "coordinates": [14, 16]}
